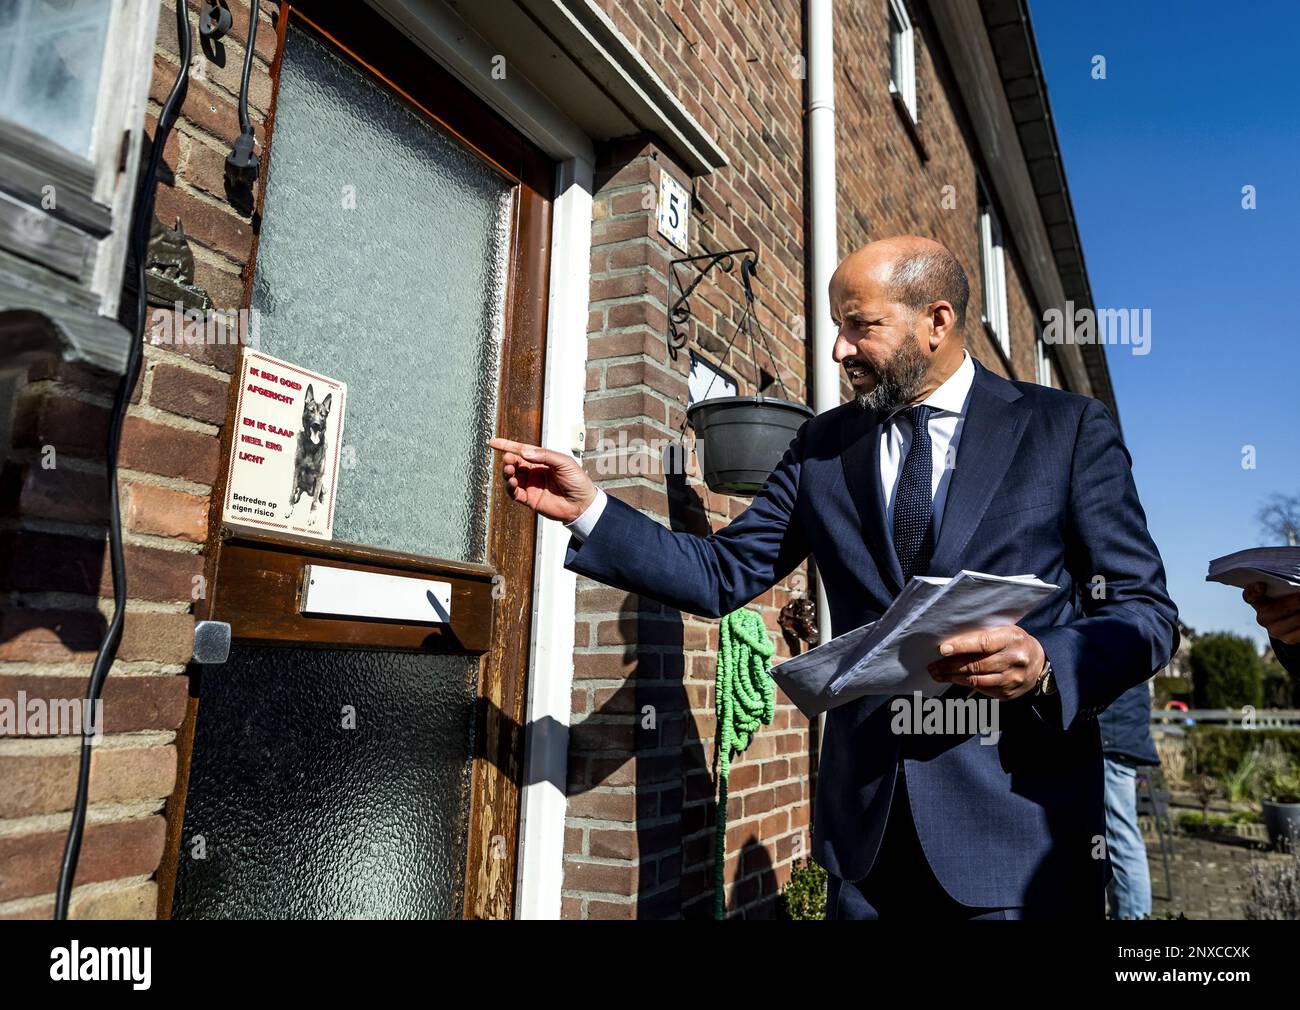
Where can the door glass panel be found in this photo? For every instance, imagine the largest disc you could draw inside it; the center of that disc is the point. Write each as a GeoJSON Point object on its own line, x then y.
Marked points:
{"type": "Point", "coordinates": [383, 262]}
{"type": "Point", "coordinates": [328, 785]}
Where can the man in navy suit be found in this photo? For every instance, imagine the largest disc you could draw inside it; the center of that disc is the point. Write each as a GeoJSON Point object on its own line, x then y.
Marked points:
{"type": "Point", "coordinates": [937, 465]}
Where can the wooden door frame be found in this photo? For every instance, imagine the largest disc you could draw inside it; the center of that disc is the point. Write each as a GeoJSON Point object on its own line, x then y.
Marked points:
{"type": "Point", "coordinates": [491, 850]}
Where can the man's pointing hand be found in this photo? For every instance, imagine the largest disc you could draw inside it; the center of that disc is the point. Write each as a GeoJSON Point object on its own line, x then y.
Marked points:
{"type": "Point", "coordinates": [548, 482]}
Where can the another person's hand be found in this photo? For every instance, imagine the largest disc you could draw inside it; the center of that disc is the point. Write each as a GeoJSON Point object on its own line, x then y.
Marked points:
{"type": "Point", "coordinates": [1002, 663]}
{"type": "Point", "coordinates": [1278, 615]}
{"type": "Point", "coordinates": [548, 482]}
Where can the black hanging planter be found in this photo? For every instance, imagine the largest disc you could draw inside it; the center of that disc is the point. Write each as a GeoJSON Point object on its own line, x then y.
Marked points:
{"type": "Point", "coordinates": [741, 439]}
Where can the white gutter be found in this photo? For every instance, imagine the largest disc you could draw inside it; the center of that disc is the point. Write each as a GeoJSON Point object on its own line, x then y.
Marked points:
{"type": "Point", "coordinates": [824, 222]}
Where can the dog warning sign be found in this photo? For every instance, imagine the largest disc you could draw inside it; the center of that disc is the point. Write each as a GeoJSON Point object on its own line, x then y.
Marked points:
{"type": "Point", "coordinates": [284, 448]}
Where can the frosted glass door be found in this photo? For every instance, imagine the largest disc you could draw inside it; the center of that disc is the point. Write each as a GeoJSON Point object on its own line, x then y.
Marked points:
{"type": "Point", "coordinates": [328, 785]}
{"type": "Point", "coordinates": [383, 262]}
{"type": "Point", "coordinates": [350, 765]}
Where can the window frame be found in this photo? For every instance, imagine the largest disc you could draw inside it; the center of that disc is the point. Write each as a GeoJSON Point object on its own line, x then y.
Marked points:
{"type": "Point", "coordinates": [94, 194]}
{"type": "Point", "coordinates": [993, 272]}
{"type": "Point", "coordinates": [902, 57]}
{"type": "Point", "coordinates": [1044, 365]}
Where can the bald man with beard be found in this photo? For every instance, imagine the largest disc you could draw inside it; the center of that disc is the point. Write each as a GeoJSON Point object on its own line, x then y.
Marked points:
{"type": "Point", "coordinates": [937, 465]}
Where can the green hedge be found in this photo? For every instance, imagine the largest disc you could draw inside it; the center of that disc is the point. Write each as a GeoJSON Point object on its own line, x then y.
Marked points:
{"type": "Point", "coordinates": [1220, 750]}
{"type": "Point", "coordinates": [1280, 691]}
{"type": "Point", "coordinates": [1227, 672]}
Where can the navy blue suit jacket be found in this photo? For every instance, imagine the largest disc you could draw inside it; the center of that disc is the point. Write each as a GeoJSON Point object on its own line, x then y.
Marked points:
{"type": "Point", "coordinates": [1043, 485]}
{"type": "Point", "coordinates": [1126, 728]}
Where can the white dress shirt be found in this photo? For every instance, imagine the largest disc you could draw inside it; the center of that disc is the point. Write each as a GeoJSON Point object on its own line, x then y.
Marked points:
{"type": "Point", "coordinates": [950, 402]}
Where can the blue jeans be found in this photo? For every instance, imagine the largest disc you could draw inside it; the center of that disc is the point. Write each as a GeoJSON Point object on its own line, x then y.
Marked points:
{"type": "Point", "coordinates": [1129, 892]}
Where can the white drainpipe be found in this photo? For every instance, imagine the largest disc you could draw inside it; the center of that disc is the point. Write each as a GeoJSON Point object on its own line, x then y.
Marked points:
{"type": "Point", "coordinates": [825, 235]}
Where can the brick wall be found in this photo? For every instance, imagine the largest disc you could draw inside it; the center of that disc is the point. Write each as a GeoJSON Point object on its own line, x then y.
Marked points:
{"type": "Point", "coordinates": [639, 838]}
{"type": "Point", "coordinates": [640, 831]}
{"type": "Point", "coordinates": [893, 184]}
{"type": "Point", "coordinates": [54, 573]}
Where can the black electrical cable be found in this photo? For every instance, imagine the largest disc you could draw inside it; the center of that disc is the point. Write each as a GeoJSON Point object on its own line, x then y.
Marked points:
{"type": "Point", "coordinates": [254, 10]}
{"type": "Point", "coordinates": [241, 163]}
{"type": "Point", "coordinates": [141, 220]}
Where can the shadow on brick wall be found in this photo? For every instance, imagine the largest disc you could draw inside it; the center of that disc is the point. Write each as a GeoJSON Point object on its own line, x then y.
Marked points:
{"type": "Point", "coordinates": [54, 566]}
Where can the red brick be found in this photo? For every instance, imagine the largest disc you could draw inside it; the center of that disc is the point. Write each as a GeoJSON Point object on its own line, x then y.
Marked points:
{"type": "Point", "coordinates": [205, 107]}
{"type": "Point", "coordinates": [166, 513]}
{"type": "Point", "coordinates": [621, 230]}
{"type": "Point", "coordinates": [158, 448]}
{"type": "Point", "coordinates": [171, 150]}
{"type": "Point", "coordinates": [642, 282]}
{"type": "Point", "coordinates": [212, 342]}
{"type": "Point", "coordinates": [603, 665]}
{"type": "Point", "coordinates": [636, 373]}
{"type": "Point", "coordinates": [600, 878]}
{"type": "Point", "coordinates": [53, 563]}
{"type": "Point", "coordinates": [153, 574]}
{"type": "Point", "coordinates": [47, 784]}
{"type": "Point", "coordinates": [131, 703]}
{"type": "Point", "coordinates": [56, 636]}
{"type": "Point", "coordinates": [629, 405]}
{"type": "Point", "coordinates": [607, 843]}
{"type": "Point", "coordinates": [640, 313]}
{"type": "Point", "coordinates": [221, 229]}
{"type": "Point", "coordinates": [29, 864]}
{"type": "Point", "coordinates": [224, 286]}
{"type": "Point", "coordinates": [193, 394]}
{"type": "Point", "coordinates": [601, 805]}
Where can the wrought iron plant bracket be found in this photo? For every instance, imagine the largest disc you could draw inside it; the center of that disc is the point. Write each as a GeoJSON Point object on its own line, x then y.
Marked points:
{"type": "Point", "coordinates": [679, 312]}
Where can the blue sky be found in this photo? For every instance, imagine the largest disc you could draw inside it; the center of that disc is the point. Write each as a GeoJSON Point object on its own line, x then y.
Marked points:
{"type": "Point", "coordinates": [1199, 100]}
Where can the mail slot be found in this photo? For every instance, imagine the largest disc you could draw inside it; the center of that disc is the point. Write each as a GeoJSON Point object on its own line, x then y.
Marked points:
{"type": "Point", "coordinates": [346, 592]}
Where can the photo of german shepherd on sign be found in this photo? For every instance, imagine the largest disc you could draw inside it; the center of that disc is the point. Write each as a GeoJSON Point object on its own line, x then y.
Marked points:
{"type": "Point", "coordinates": [310, 455]}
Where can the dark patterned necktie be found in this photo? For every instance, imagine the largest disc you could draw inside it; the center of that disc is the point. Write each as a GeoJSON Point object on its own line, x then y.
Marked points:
{"type": "Point", "coordinates": [913, 501]}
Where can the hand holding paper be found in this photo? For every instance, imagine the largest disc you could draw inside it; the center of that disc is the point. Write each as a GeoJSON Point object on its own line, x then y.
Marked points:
{"type": "Point", "coordinates": [1003, 662]}
{"type": "Point", "coordinates": [894, 654]}
{"type": "Point", "coordinates": [1270, 577]}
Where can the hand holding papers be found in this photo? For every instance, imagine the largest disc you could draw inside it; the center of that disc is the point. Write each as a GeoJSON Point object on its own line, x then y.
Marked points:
{"type": "Point", "coordinates": [1277, 567]}
{"type": "Point", "coordinates": [891, 655]}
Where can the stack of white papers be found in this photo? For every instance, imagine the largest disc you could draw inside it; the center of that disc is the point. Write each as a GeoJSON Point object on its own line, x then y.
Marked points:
{"type": "Point", "coordinates": [892, 655]}
{"type": "Point", "coordinates": [1277, 567]}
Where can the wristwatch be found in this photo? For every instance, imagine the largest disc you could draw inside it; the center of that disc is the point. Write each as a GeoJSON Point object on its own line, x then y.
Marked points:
{"type": "Point", "coordinates": [1046, 683]}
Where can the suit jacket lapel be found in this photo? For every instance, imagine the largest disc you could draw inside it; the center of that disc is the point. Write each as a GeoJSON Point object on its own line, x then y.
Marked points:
{"type": "Point", "coordinates": [860, 456]}
{"type": "Point", "coordinates": [995, 423]}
